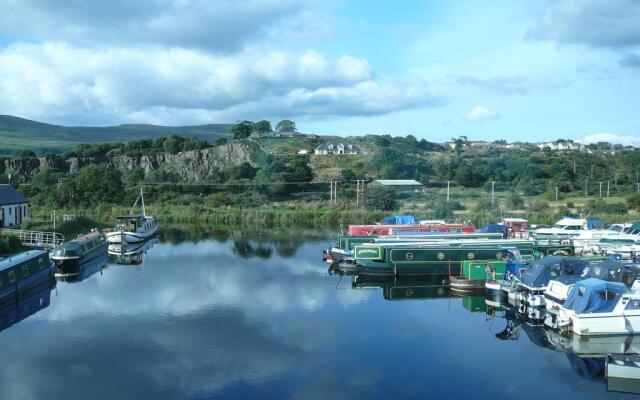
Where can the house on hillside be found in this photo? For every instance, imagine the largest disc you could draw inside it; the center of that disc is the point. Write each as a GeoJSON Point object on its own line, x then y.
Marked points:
{"type": "Point", "coordinates": [14, 207]}
{"type": "Point", "coordinates": [400, 185]}
{"type": "Point", "coordinates": [561, 145]}
{"type": "Point", "coordinates": [337, 147]}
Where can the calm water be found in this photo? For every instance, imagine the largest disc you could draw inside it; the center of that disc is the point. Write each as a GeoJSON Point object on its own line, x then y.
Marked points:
{"type": "Point", "coordinates": [234, 319]}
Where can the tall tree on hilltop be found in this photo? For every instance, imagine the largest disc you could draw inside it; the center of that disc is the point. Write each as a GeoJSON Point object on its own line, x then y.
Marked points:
{"type": "Point", "coordinates": [242, 130]}
{"type": "Point", "coordinates": [286, 126]}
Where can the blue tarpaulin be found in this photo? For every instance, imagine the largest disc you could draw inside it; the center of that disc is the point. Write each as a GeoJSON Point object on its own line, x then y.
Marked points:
{"type": "Point", "coordinates": [400, 220]}
{"type": "Point", "coordinates": [594, 296]}
{"type": "Point", "coordinates": [495, 228]}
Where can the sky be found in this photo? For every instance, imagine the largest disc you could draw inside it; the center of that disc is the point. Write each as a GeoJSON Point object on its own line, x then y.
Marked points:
{"type": "Point", "coordinates": [513, 69]}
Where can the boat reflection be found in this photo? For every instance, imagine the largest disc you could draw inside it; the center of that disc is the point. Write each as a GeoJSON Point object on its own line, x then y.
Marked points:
{"type": "Point", "coordinates": [130, 254]}
{"type": "Point", "coordinates": [27, 303]}
{"type": "Point", "coordinates": [404, 288]}
{"type": "Point", "coordinates": [86, 272]}
{"type": "Point", "coordinates": [589, 356]}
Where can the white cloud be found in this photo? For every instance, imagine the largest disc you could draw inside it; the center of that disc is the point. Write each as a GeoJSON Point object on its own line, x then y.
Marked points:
{"type": "Point", "coordinates": [611, 138]}
{"type": "Point", "coordinates": [56, 81]}
{"type": "Point", "coordinates": [480, 113]}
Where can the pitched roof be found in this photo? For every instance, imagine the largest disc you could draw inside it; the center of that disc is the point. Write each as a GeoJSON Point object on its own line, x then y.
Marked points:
{"type": "Point", "coordinates": [8, 195]}
{"type": "Point", "coordinates": [398, 182]}
{"type": "Point", "coordinates": [335, 143]}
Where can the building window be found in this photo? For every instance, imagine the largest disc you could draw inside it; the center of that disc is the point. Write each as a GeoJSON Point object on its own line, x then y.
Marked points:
{"type": "Point", "coordinates": [10, 211]}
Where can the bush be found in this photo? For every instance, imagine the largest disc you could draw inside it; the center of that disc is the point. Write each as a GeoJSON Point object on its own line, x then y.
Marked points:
{"type": "Point", "coordinates": [539, 205]}
{"type": "Point", "coordinates": [379, 198]}
{"type": "Point", "coordinates": [633, 201]}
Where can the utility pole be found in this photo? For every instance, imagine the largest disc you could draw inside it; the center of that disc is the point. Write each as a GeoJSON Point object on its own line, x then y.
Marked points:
{"type": "Point", "coordinates": [591, 171]}
{"type": "Point", "coordinates": [586, 186]}
{"type": "Point", "coordinates": [53, 217]}
{"type": "Point", "coordinates": [600, 188]}
{"type": "Point", "coordinates": [331, 192]}
{"type": "Point", "coordinates": [448, 182]}
{"type": "Point", "coordinates": [492, 187]}
{"type": "Point", "coordinates": [574, 168]}
{"type": "Point", "coordinates": [335, 192]}
{"type": "Point", "coordinates": [556, 196]}
{"type": "Point", "coordinates": [359, 190]}
{"type": "Point", "coordinates": [608, 182]}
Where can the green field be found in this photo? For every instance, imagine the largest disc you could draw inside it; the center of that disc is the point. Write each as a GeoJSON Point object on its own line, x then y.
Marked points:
{"type": "Point", "coordinates": [18, 133]}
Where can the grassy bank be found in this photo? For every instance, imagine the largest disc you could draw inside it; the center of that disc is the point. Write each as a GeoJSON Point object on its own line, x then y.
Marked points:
{"type": "Point", "coordinates": [310, 215]}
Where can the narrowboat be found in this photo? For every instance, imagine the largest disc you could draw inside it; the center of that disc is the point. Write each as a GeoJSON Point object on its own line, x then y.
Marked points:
{"type": "Point", "coordinates": [28, 303]}
{"type": "Point", "coordinates": [596, 307]}
{"type": "Point", "coordinates": [442, 258]}
{"type": "Point", "coordinates": [73, 256]}
{"type": "Point", "coordinates": [414, 226]}
{"type": "Point", "coordinates": [343, 252]}
{"type": "Point", "coordinates": [134, 228]}
{"type": "Point", "coordinates": [22, 272]}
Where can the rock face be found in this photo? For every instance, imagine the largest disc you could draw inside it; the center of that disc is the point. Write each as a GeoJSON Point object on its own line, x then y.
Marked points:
{"type": "Point", "coordinates": [189, 165]}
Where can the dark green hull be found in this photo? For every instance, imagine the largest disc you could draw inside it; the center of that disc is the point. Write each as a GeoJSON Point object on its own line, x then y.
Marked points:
{"type": "Point", "coordinates": [443, 260]}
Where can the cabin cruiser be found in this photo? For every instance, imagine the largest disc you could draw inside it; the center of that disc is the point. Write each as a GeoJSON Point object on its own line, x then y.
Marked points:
{"type": "Point", "coordinates": [134, 228]}
{"type": "Point", "coordinates": [598, 241]}
{"type": "Point", "coordinates": [571, 228]}
{"type": "Point", "coordinates": [596, 307]}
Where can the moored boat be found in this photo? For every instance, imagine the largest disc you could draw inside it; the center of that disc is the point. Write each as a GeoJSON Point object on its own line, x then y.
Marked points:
{"type": "Point", "coordinates": [72, 256]}
{"type": "Point", "coordinates": [596, 307]}
{"type": "Point", "coordinates": [22, 272]}
{"type": "Point", "coordinates": [134, 228]}
{"type": "Point", "coordinates": [408, 223]}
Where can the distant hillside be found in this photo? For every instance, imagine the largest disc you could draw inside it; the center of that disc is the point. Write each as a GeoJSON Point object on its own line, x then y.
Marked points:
{"type": "Point", "coordinates": [19, 133]}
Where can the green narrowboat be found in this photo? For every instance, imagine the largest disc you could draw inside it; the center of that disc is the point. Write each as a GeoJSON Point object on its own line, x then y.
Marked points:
{"type": "Point", "coordinates": [409, 288]}
{"type": "Point", "coordinates": [445, 258]}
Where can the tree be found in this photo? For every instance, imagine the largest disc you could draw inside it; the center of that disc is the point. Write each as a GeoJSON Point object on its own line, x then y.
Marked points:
{"type": "Point", "coordinates": [379, 198]}
{"type": "Point", "coordinates": [172, 145]}
{"type": "Point", "coordinates": [299, 170]}
{"type": "Point", "coordinates": [220, 141]}
{"type": "Point", "coordinates": [286, 126]}
{"type": "Point", "coordinates": [633, 201]}
{"type": "Point", "coordinates": [514, 201]}
{"type": "Point", "coordinates": [98, 184]}
{"type": "Point", "coordinates": [24, 153]}
{"type": "Point", "coordinates": [460, 143]}
{"type": "Point", "coordinates": [242, 130]}
{"type": "Point", "coordinates": [262, 128]}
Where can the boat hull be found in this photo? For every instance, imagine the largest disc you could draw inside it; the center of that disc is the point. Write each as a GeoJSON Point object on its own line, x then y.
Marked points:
{"type": "Point", "coordinates": [131, 237]}
{"type": "Point", "coordinates": [75, 265]}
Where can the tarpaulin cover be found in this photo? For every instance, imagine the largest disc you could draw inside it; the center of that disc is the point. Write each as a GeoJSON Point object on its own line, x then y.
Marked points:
{"type": "Point", "coordinates": [495, 228]}
{"type": "Point", "coordinates": [594, 295]}
{"type": "Point", "coordinates": [541, 271]}
{"type": "Point", "coordinates": [400, 220]}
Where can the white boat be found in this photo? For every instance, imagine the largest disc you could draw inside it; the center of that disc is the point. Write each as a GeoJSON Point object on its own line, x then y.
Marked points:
{"type": "Point", "coordinates": [134, 228]}
{"type": "Point", "coordinates": [596, 307]}
{"type": "Point", "coordinates": [607, 241]}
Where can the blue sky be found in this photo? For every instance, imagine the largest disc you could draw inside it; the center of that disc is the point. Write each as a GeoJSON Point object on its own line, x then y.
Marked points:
{"type": "Point", "coordinates": [515, 70]}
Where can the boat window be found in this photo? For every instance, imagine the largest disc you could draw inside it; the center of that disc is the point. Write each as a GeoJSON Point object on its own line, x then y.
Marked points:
{"type": "Point", "coordinates": [633, 305]}
{"type": "Point", "coordinates": [581, 291]}
{"type": "Point", "coordinates": [555, 270]}
{"type": "Point", "coordinates": [607, 295]}
{"type": "Point", "coordinates": [569, 269]}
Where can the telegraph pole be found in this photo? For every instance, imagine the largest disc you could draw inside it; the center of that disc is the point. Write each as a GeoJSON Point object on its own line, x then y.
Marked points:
{"type": "Point", "coordinates": [359, 190]}
{"type": "Point", "coordinates": [335, 192]}
{"type": "Point", "coordinates": [556, 196]}
{"type": "Point", "coordinates": [492, 187]}
{"type": "Point", "coordinates": [600, 188]}
{"type": "Point", "coordinates": [586, 186]}
{"type": "Point", "coordinates": [608, 187]}
{"type": "Point", "coordinates": [448, 182]}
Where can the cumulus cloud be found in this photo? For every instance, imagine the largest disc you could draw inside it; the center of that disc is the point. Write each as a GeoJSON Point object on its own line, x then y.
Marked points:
{"type": "Point", "coordinates": [612, 23]}
{"type": "Point", "coordinates": [611, 138]}
{"type": "Point", "coordinates": [58, 80]}
{"type": "Point", "coordinates": [222, 24]}
{"type": "Point", "coordinates": [480, 113]}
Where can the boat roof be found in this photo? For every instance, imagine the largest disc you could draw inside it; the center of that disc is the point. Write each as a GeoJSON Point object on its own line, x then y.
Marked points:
{"type": "Point", "coordinates": [542, 270]}
{"type": "Point", "coordinates": [130, 217]}
{"type": "Point", "coordinates": [19, 258]}
{"type": "Point", "coordinates": [514, 220]}
{"type": "Point", "coordinates": [400, 220]}
{"type": "Point", "coordinates": [594, 295]}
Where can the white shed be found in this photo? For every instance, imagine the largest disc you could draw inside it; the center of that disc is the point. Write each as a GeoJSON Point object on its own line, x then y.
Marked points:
{"type": "Point", "coordinates": [14, 207]}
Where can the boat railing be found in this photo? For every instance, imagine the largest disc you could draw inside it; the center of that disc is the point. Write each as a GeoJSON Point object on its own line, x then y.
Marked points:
{"type": "Point", "coordinates": [35, 238]}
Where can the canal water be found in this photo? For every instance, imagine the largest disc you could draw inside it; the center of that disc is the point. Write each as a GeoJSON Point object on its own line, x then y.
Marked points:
{"type": "Point", "coordinates": [234, 318]}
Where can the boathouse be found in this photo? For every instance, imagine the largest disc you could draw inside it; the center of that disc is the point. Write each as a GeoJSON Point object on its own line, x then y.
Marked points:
{"type": "Point", "coordinates": [14, 207]}
{"type": "Point", "coordinates": [400, 185]}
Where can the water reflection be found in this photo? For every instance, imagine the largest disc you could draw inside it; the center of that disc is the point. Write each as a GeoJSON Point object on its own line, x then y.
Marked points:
{"type": "Point", "coordinates": [130, 253]}
{"type": "Point", "coordinates": [23, 305]}
{"type": "Point", "coordinates": [201, 320]}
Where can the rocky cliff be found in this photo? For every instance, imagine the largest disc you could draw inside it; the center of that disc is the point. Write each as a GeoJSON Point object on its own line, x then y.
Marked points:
{"type": "Point", "coordinates": [189, 165]}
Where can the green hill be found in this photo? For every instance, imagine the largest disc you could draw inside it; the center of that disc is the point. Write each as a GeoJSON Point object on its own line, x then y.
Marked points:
{"type": "Point", "coordinates": [19, 133]}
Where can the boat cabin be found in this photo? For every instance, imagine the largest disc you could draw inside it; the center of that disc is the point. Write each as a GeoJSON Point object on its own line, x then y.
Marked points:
{"type": "Point", "coordinates": [543, 270]}
{"type": "Point", "coordinates": [130, 223]}
{"type": "Point", "coordinates": [516, 225]}
{"type": "Point", "coordinates": [594, 296]}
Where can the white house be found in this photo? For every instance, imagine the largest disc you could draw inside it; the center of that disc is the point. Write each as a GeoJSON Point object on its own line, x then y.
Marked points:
{"type": "Point", "coordinates": [561, 145]}
{"type": "Point", "coordinates": [14, 207]}
{"type": "Point", "coordinates": [337, 147]}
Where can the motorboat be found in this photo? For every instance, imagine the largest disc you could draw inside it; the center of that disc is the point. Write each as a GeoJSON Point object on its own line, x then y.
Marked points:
{"type": "Point", "coordinates": [573, 228]}
{"type": "Point", "coordinates": [597, 307]}
{"type": "Point", "coordinates": [134, 228]}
